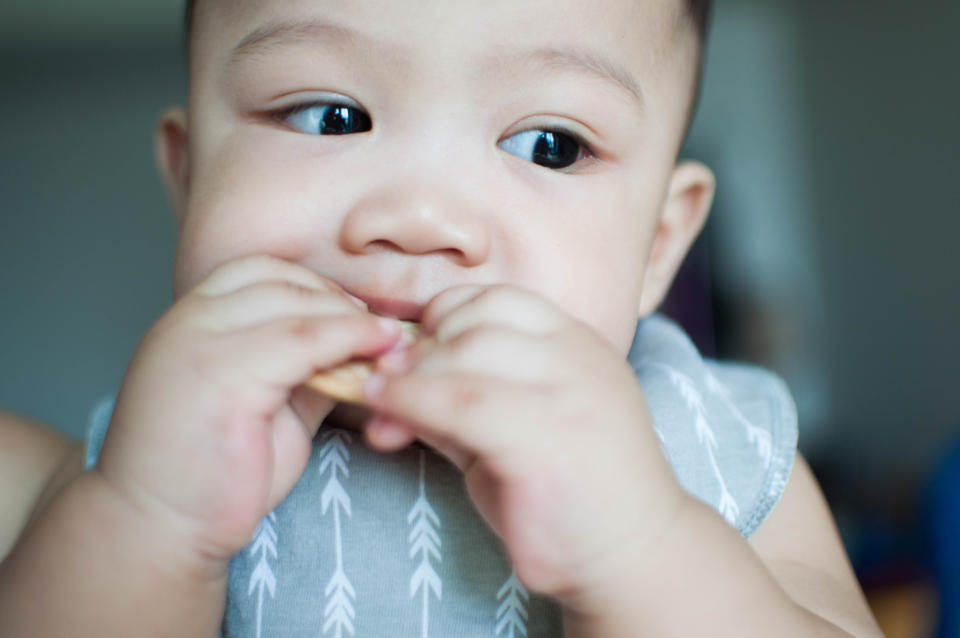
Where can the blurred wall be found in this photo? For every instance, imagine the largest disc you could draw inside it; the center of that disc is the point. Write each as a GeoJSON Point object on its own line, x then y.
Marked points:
{"type": "Point", "coordinates": [882, 96]}
{"type": "Point", "coordinates": [834, 130]}
{"type": "Point", "coordinates": [750, 130]}
{"type": "Point", "coordinates": [86, 239]}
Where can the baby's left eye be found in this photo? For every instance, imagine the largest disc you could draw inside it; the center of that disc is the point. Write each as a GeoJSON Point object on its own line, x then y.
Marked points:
{"type": "Point", "coordinates": [327, 119]}
{"type": "Point", "coordinates": [551, 149]}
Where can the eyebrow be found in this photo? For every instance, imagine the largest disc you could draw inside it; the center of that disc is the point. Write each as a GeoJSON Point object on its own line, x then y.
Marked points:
{"type": "Point", "coordinates": [277, 35]}
{"type": "Point", "coordinates": [578, 61]}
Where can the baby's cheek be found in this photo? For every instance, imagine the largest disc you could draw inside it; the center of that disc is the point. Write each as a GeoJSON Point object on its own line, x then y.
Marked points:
{"type": "Point", "coordinates": [616, 322]}
{"type": "Point", "coordinates": [223, 226]}
{"type": "Point", "coordinates": [606, 302]}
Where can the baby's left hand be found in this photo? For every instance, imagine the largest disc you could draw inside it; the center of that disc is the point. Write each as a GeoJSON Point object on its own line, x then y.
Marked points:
{"type": "Point", "coordinates": [550, 427]}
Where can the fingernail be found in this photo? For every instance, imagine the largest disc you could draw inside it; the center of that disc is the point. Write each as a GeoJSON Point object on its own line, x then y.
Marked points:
{"type": "Point", "coordinates": [395, 360]}
{"type": "Point", "coordinates": [388, 325]}
{"type": "Point", "coordinates": [387, 434]}
{"type": "Point", "coordinates": [374, 385]}
{"type": "Point", "coordinates": [357, 301]}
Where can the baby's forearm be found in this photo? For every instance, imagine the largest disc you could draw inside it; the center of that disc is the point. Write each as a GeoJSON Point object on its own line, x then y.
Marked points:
{"type": "Point", "coordinates": [90, 565]}
{"type": "Point", "coordinates": [703, 581]}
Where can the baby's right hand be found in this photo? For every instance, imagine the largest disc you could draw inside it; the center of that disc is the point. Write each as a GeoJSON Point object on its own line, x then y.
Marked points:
{"type": "Point", "coordinates": [211, 429]}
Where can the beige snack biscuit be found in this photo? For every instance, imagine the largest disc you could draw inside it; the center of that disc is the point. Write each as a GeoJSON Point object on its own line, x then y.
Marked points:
{"type": "Point", "coordinates": [345, 382]}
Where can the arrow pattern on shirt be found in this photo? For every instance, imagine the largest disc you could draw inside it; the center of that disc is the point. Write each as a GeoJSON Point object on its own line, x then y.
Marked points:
{"type": "Point", "coordinates": [512, 613]}
{"type": "Point", "coordinates": [425, 542]}
{"type": "Point", "coordinates": [338, 614]}
{"type": "Point", "coordinates": [262, 578]}
{"type": "Point", "coordinates": [759, 437]}
{"type": "Point", "coordinates": [727, 505]}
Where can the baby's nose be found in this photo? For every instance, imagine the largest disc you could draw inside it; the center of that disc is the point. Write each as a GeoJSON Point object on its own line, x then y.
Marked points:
{"type": "Point", "coordinates": [417, 221]}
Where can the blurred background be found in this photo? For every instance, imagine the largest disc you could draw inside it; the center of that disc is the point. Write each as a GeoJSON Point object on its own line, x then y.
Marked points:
{"type": "Point", "coordinates": [834, 130]}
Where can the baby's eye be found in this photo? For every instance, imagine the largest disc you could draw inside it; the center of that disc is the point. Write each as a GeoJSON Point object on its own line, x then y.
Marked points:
{"type": "Point", "coordinates": [326, 119]}
{"type": "Point", "coordinates": [552, 149]}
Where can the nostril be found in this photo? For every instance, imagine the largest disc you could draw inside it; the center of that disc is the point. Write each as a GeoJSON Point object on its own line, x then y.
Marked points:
{"type": "Point", "coordinates": [385, 246]}
{"type": "Point", "coordinates": [413, 225]}
{"type": "Point", "coordinates": [381, 245]}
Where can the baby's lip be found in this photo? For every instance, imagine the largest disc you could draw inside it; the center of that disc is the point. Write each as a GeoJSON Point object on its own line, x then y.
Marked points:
{"type": "Point", "coordinates": [390, 307]}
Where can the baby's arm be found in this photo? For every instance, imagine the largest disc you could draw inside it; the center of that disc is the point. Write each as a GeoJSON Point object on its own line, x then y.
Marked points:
{"type": "Point", "coordinates": [800, 546]}
{"type": "Point", "coordinates": [88, 565]}
{"type": "Point", "coordinates": [792, 579]}
{"type": "Point", "coordinates": [32, 460]}
{"type": "Point", "coordinates": [79, 565]}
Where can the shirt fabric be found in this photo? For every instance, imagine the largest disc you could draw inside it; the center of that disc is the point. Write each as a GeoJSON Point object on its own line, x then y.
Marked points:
{"type": "Point", "coordinates": [369, 544]}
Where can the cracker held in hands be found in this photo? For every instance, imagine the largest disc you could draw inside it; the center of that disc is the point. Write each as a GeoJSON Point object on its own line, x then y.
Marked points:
{"type": "Point", "coordinates": [345, 382]}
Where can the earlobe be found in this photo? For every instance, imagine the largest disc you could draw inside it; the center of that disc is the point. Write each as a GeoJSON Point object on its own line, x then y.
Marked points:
{"type": "Point", "coordinates": [172, 157]}
{"type": "Point", "coordinates": [688, 201]}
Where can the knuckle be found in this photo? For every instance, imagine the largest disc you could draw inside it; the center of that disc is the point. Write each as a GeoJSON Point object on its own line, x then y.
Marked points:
{"type": "Point", "coordinates": [295, 291]}
{"type": "Point", "coordinates": [303, 329]}
{"type": "Point", "coordinates": [466, 396]}
{"type": "Point", "coordinates": [472, 341]}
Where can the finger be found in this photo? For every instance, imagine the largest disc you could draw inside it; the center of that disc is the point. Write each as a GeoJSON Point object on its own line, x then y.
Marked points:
{"type": "Point", "coordinates": [445, 303]}
{"type": "Point", "coordinates": [386, 434]}
{"type": "Point", "coordinates": [502, 353]}
{"type": "Point", "coordinates": [252, 269]}
{"type": "Point", "coordinates": [505, 306]}
{"type": "Point", "coordinates": [264, 301]}
{"type": "Point", "coordinates": [476, 415]}
{"type": "Point", "coordinates": [282, 354]}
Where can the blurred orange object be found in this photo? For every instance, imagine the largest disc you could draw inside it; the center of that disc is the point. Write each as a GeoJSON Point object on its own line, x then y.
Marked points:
{"type": "Point", "coordinates": [907, 610]}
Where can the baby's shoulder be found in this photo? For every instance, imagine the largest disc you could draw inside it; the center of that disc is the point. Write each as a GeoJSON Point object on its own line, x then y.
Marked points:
{"type": "Point", "coordinates": [729, 430]}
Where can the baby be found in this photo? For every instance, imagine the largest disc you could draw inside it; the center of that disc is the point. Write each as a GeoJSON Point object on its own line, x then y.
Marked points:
{"type": "Point", "coordinates": [505, 174]}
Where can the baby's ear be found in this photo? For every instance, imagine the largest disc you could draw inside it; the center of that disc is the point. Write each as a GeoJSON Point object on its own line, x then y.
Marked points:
{"type": "Point", "coordinates": [170, 148]}
{"type": "Point", "coordinates": [685, 210]}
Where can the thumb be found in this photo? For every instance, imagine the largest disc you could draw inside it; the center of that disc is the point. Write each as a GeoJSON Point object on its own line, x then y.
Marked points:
{"type": "Point", "coordinates": [294, 427]}
{"type": "Point", "coordinates": [311, 408]}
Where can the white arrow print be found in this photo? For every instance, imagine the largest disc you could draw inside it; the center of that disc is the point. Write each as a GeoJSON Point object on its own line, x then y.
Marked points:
{"type": "Point", "coordinates": [727, 506]}
{"type": "Point", "coordinates": [512, 613]}
{"type": "Point", "coordinates": [338, 614]}
{"type": "Point", "coordinates": [263, 578]}
{"type": "Point", "coordinates": [758, 436]}
{"type": "Point", "coordinates": [425, 541]}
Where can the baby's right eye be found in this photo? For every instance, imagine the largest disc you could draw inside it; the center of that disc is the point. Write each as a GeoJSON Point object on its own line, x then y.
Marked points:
{"type": "Point", "coordinates": [326, 119]}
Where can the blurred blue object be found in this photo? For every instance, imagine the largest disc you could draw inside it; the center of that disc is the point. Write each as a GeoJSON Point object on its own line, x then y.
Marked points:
{"type": "Point", "coordinates": [942, 522]}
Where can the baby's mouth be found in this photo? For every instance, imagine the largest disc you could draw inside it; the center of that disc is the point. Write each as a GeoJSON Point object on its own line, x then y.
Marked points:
{"type": "Point", "coordinates": [389, 307]}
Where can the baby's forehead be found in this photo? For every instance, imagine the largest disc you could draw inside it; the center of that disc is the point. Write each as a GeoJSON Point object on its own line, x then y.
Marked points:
{"type": "Point", "coordinates": [650, 26]}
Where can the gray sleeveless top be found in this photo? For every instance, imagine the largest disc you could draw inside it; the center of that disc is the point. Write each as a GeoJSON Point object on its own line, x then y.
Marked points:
{"type": "Point", "coordinates": [373, 545]}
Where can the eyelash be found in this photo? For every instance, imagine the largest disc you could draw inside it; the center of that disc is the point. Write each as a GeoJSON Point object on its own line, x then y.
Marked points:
{"type": "Point", "coordinates": [584, 147]}
{"type": "Point", "coordinates": [584, 150]}
{"type": "Point", "coordinates": [283, 115]}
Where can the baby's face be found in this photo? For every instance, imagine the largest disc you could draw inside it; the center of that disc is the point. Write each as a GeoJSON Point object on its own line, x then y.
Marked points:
{"type": "Point", "coordinates": [402, 148]}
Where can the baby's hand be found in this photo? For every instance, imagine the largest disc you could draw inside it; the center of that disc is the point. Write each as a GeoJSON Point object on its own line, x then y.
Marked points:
{"type": "Point", "coordinates": [211, 429]}
{"type": "Point", "coordinates": [551, 429]}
